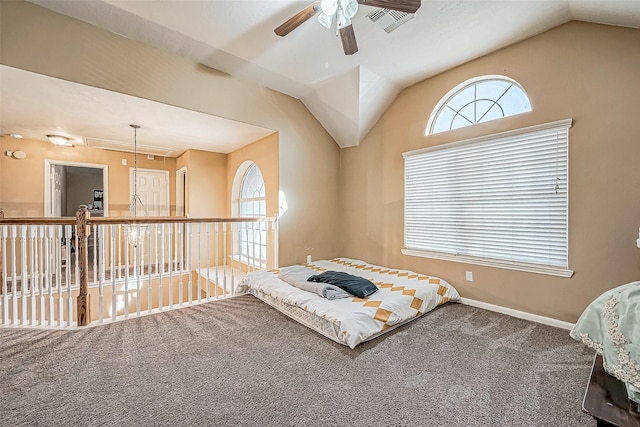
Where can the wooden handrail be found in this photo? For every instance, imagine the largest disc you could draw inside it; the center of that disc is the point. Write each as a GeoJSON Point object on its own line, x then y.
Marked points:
{"type": "Point", "coordinates": [125, 220]}
{"type": "Point", "coordinates": [37, 221]}
{"type": "Point", "coordinates": [171, 219]}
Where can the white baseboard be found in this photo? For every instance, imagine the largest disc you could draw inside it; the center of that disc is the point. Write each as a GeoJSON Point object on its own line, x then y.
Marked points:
{"type": "Point", "coordinates": [519, 314]}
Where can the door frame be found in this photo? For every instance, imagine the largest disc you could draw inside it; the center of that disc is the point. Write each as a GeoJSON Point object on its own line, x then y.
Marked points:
{"type": "Point", "coordinates": [181, 192]}
{"type": "Point", "coordinates": [48, 188]}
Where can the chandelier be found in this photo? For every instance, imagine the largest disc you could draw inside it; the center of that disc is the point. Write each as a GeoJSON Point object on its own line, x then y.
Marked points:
{"type": "Point", "coordinates": [135, 231]}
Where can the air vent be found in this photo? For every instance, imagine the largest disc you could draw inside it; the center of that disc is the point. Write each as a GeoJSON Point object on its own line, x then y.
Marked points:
{"type": "Point", "coordinates": [107, 144]}
{"type": "Point", "coordinates": [388, 19]}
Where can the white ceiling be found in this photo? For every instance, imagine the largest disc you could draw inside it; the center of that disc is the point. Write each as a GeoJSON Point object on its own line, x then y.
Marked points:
{"type": "Point", "coordinates": [34, 105]}
{"type": "Point", "coordinates": [347, 94]}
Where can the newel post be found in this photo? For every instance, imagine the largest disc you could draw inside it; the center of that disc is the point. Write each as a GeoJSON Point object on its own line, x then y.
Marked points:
{"type": "Point", "coordinates": [83, 231]}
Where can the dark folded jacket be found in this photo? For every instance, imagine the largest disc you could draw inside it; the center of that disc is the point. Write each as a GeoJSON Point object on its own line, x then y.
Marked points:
{"type": "Point", "coordinates": [358, 286]}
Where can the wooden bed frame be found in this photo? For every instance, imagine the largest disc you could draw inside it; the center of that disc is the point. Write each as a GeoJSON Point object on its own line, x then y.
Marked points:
{"type": "Point", "coordinates": [607, 401]}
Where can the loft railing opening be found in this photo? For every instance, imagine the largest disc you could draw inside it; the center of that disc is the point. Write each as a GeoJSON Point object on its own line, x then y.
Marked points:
{"type": "Point", "coordinates": [66, 272]}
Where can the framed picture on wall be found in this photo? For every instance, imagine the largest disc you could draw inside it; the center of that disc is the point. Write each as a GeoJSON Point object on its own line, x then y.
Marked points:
{"type": "Point", "coordinates": [97, 199]}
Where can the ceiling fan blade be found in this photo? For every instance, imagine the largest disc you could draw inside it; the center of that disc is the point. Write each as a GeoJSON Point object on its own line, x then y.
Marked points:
{"type": "Point", "coordinates": [296, 20]}
{"type": "Point", "coordinates": [408, 6]}
{"type": "Point", "coordinates": [348, 38]}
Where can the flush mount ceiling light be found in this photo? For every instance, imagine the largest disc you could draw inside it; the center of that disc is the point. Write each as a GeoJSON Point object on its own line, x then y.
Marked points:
{"type": "Point", "coordinates": [58, 139]}
{"type": "Point", "coordinates": [12, 135]}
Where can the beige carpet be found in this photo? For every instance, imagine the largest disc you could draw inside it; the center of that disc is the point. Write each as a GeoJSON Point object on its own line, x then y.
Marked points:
{"type": "Point", "coordinates": [239, 362]}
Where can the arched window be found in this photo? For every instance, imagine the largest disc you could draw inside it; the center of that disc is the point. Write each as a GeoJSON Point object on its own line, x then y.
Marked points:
{"type": "Point", "coordinates": [252, 194]}
{"type": "Point", "coordinates": [252, 203]}
{"type": "Point", "coordinates": [478, 100]}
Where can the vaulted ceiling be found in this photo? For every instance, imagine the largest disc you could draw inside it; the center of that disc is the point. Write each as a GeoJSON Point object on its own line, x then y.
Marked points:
{"type": "Point", "coordinates": [347, 94]}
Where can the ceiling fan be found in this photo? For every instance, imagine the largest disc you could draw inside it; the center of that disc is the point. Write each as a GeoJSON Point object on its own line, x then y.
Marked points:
{"type": "Point", "coordinates": [343, 11]}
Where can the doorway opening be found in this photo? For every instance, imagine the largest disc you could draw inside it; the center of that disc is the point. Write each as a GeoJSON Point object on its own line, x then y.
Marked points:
{"type": "Point", "coordinates": [67, 185]}
{"type": "Point", "coordinates": [181, 192]}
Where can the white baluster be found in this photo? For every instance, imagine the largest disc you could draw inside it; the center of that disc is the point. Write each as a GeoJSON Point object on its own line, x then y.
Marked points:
{"type": "Point", "coordinates": [188, 261]}
{"type": "Point", "coordinates": [180, 247]}
{"type": "Point", "coordinates": [151, 229]}
{"type": "Point", "coordinates": [76, 267]}
{"type": "Point", "coordinates": [160, 290]}
{"type": "Point", "coordinates": [232, 258]}
{"type": "Point", "coordinates": [224, 258]}
{"type": "Point", "coordinates": [137, 263]}
{"type": "Point", "coordinates": [5, 296]}
{"type": "Point", "coordinates": [127, 230]}
{"type": "Point", "coordinates": [258, 255]}
{"type": "Point", "coordinates": [199, 263]}
{"type": "Point", "coordinates": [119, 252]}
{"type": "Point", "coordinates": [115, 230]}
{"type": "Point", "coordinates": [52, 261]}
{"type": "Point", "coordinates": [170, 266]}
{"type": "Point", "coordinates": [14, 278]}
{"type": "Point", "coordinates": [217, 243]}
{"type": "Point", "coordinates": [275, 240]}
{"type": "Point", "coordinates": [99, 235]}
{"type": "Point", "coordinates": [207, 229]}
{"type": "Point", "coordinates": [176, 251]}
{"type": "Point", "coordinates": [68, 271]}
{"type": "Point", "coordinates": [42, 244]}
{"type": "Point", "coordinates": [246, 239]}
{"type": "Point", "coordinates": [33, 261]}
{"type": "Point", "coordinates": [94, 236]}
{"type": "Point", "coordinates": [24, 283]}
{"type": "Point", "coordinates": [157, 245]}
{"type": "Point", "coordinates": [253, 246]}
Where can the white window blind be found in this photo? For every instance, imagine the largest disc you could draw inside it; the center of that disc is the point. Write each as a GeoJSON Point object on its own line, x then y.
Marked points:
{"type": "Point", "coordinates": [497, 200]}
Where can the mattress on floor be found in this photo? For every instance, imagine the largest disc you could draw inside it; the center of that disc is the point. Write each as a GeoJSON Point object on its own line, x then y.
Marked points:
{"type": "Point", "coordinates": [401, 297]}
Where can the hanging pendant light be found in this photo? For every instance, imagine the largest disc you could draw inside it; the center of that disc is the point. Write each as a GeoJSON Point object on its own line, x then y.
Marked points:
{"type": "Point", "coordinates": [136, 232]}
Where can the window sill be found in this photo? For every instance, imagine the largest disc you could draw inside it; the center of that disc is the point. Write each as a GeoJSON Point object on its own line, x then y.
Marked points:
{"type": "Point", "coordinates": [529, 268]}
{"type": "Point", "coordinates": [248, 261]}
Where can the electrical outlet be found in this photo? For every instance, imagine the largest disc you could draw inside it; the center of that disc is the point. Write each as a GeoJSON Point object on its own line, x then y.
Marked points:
{"type": "Point", "coordinates": [308, 259]}
{"type": "Point", "coordinates": [124, 162]}
{"type": "Point", "coordinates": [469, 276]}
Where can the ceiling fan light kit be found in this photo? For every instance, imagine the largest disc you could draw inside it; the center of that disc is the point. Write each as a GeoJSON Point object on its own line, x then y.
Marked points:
{"type": "Point", "coordinates": [344, 11]}
{"type": "Point", "coordinates": [329, 7]}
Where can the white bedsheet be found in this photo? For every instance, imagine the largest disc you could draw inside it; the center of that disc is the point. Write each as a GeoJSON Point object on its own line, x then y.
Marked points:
{"type": "Point", "coordinates": [402, 296]}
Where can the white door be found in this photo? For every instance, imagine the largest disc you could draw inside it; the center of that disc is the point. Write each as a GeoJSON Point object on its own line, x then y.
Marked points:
{"type": "Point", "coordinates": [56, 175]}
{"type": "Point", "coordinates": [153, 190]}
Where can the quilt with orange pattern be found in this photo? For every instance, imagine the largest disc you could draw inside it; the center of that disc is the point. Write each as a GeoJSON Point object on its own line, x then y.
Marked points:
{"type": "Point", "coordinates": [401, 297]}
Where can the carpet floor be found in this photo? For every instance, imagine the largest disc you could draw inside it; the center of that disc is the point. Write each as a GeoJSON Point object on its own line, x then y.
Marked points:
{"type": "Point", "coordinates": [239, 362]}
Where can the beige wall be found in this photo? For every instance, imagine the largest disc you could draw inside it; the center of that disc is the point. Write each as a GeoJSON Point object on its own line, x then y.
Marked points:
{"type": "Point", "coordinates": [41, 41]}
{"type": "Point", "coordinates": [264, 153]}
{"type": "Point", "coordinates": [22, 181]}
{"type": "Point", "coordinates": [206, 194]}
{"type": "Point", "coordinates": [582, 71]}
